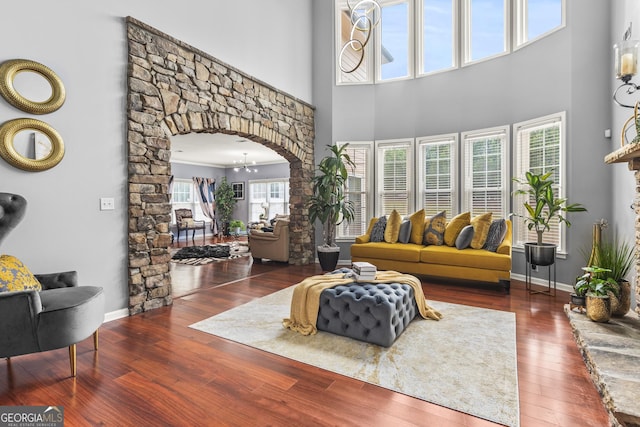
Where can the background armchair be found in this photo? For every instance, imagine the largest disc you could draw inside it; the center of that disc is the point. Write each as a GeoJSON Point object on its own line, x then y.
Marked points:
{"type": "Point", "coordinates": [185, 221]}
{"type": "Point", "coordinates": [271, 245]}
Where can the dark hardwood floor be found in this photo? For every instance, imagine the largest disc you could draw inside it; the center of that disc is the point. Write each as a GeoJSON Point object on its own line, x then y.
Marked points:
{"type": "Point", "coordinates": [153, 370]}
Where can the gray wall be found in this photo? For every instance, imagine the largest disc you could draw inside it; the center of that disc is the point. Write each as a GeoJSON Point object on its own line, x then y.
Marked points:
{"type": "Point", "coordinates": [567, 71]}
{"type": "Point", "coordinates": [85, 44]}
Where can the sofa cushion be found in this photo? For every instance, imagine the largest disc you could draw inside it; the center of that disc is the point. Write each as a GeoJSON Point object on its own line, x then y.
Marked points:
{"type": "Point", "coordinates": [455, 226]}
{"type": "Point", "coordinates": [474, 258]}
{"type": "Point", "coordinates": [409, 252]}
{"type": "Point", "coordinates": [377, 232]}
{"type": "Point", "coordinates": [15, 276]}
{"type": "Point", "coordinates": [481, 224]}
{"type": "Point", "coordinates": [434, 229]}
{"type": "Point", "coordinates": [417, 227]}
{"type": "Point", "coordinates": [393, 227]}
{"type": "Point", "coordinates": [464, 238]}
{"type": "Point", "coordinates": [405, 232]}
{"type": "Point", "coordinates": [497, 231]}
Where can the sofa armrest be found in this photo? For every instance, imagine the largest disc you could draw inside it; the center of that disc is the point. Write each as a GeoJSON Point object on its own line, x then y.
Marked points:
{"type": "Point", "coordinates": [261, 235]}
{"type": "Point", "coordinates": [66, 279]}
{"type": "Point", "coordinates": [20, 312]}
{"type": "Point", "coordinates": [363, 239]}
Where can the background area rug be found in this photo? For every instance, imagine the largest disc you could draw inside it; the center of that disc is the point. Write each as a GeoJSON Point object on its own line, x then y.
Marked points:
{"type": "Point", "coordinates": [466, 361]}
{"type": "Point", "coordinates": [200, 255]}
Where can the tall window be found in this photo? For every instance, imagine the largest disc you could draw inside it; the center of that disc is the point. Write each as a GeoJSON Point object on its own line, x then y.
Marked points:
{"type": "Point", "coordinates": [358, 189]}
{"type": "Point", "coordinates": [438, 23]}
{"type": "Point", "coordinates": [185, 196]}
{"type": "Point", "coordinates": [437, 159]}
{"type": "Point", "coordinates": [394, 175]}
{"type": "Point", "coordinates": [354, 45]}
{"type": "Point", "coordinates": [486, 172]}
{"type": "Point", "coordinates": [268, 197]}
{"type": "Point", "coordinates": [486, 27]}
{"type": "Point", "coordinates": [539, 148]}
{"type": "Point", "coordinates": [394, 53]}
{"type": "Point", "coordinates": [536, 18]}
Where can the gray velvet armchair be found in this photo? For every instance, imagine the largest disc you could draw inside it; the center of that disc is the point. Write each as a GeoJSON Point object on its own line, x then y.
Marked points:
{"type": "Point", "coordinates": [60, 315]}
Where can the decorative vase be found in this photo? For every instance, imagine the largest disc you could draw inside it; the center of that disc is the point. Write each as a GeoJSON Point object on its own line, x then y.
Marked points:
{"type": "Point", "coordinates": [598, 308]}
{"type": "Point", "coordinates": [595, 244]}
{"type": "Point", "coordinates": [624, 300]}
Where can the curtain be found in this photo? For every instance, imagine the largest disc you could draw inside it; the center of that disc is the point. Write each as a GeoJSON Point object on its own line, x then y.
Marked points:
{"type": "Point", "coordinates": [206, 189]}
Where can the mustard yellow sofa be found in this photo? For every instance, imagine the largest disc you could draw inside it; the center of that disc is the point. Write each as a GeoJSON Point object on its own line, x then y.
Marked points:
{"type": "Point", "coordinates": [477, 265]}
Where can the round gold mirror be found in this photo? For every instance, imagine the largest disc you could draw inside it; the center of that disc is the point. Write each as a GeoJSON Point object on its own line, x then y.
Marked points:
{"type": "Point", "coordinates": [30, 144]}
{"type": "Point", "coordinates": [8, 72]}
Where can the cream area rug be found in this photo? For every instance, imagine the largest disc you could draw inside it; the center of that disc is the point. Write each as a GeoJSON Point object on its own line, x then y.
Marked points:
{"type": "Point", "coordinates": [466, 361]}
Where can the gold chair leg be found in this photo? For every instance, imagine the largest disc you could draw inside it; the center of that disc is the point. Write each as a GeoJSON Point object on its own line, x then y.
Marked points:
{"type": "Point", "coordinates": [95, 340]}
{"type": "Point", "coordinates": [72, 359]}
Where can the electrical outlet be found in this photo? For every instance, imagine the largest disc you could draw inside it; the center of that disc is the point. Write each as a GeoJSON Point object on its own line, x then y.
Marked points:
{"type": "Point", "coordinates": [534, 267]}
{"type": "Point", "coordinates": [107, 204]}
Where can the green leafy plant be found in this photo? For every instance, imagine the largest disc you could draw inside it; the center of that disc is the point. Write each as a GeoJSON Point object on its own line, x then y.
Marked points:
{"type": "Point", "coordinates": [236, 223]}
{"type": "Point", "coordinates": [545, 206]}
{"type": "Point", "coordinates": [596, 281]}
{"type": "Point", "coordinates": [225, 202]}
{"type": "Point", "coordinates": [328, 203]}
{"type": "Point", "coordinates": [616, 255]}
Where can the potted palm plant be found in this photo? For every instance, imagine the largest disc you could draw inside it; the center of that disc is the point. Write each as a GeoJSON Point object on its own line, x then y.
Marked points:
{"type": "Point", "coordinates": [543, 208]}
{"type": "Point", "coordinates": [598, 285]}
{"type": "Point", "coordinates": [328, 203]}
{"type": "Point", "coordinates": [618, 256]}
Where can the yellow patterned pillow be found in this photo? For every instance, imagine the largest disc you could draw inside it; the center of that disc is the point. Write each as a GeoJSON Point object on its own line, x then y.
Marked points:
{"type": "Point", "coordinates": [455, 226]}
{"type": "Point", "coordinates": [434, 229]}
{"type": "Point", "coordinates": [417, 227]}
{"type": "Point", "coordinates": [15, 276]}
{"type": "Point", "coordinates": [393, 227]}
{"type": "Point", "coordinates": [481, 225]}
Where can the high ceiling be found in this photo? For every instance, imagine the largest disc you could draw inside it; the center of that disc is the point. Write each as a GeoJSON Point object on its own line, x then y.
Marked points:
{"type": "Point", "coordinates": [220, 150]}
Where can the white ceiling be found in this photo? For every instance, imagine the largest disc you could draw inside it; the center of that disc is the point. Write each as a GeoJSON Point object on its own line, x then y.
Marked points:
{"type": "Point", "coordinates": [220, 150]}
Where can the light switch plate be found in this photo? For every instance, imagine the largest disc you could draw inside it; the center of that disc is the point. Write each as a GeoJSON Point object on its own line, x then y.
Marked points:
{"type": "Point", "coordinates": [107, 204]}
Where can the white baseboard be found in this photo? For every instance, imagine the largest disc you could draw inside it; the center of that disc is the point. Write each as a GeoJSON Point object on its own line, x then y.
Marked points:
{"type": "Point", "coordinates": [543, 282]}
{"type": "Point", "coordinates": [118, 314]}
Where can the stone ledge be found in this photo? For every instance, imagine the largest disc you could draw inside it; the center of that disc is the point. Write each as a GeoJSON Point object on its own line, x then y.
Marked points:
{"type": "Point", "coordinates": [612, 354]}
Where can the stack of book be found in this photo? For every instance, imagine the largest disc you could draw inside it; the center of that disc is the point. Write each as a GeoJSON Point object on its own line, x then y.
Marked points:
{"type": "Point", "coordinates": [363, 271]}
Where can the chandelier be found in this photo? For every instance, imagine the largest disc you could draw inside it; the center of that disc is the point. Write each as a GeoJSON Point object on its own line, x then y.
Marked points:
{"type": "Point", "coordinates": [243, 165]}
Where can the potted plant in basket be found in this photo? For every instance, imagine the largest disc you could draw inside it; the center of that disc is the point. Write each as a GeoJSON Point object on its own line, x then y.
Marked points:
{"type": "Point", "coordinates": [618, 256]}
{"type": "Point", "coordinates": [597, 284]}
{"type": "Point", "coordinates": [543, 207]}
{"type": "Point", "coordinates": [225, 202]}
{"type": "Point", "coordinates": [328, 203]}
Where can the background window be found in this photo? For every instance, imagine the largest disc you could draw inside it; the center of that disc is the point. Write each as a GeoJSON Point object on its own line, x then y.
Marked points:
{"type": "Point", "coordinates": [185, 196]}
{"type": "Point", "coordinates": [394, 176]}
{"type": "Point", "coordinates": [394, 39]}
{"type": "Point", "coordinates": [485, 177]}
{"type": "Point", "coordinates": [437, 174]}
{"type": "Point", "coordinates": [438, 26]}
{"type": "Point", "coordinates": [270, 197]}
{"type": "Point", "coordinates": [539, 147]}
{"type": "Point", "coordinates": [358, 191]}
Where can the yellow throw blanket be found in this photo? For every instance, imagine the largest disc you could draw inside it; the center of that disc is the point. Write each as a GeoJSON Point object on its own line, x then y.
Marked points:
{"type": "Point", "coordinates": [305, 301]}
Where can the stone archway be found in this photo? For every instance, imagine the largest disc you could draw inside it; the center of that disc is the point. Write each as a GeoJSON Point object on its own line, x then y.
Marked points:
{"type": "Point", "coordinates": [173, 89]}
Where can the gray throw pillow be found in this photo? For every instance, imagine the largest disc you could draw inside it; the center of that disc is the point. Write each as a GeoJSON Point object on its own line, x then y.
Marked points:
{"type": "Point", "coordinates": [465, 237]}
{"type": "Point", "coordinates": [497, 231]}
{"type": "Point", "coordinates": [405, 232]}
{"type": "Point", "coordinates": [377, 233]}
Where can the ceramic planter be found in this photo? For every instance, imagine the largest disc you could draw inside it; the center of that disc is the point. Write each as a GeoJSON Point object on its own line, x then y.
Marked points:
{"type": "Point", "coordinates": [542, 254]}
{"type": "Point", "coordinates": [578, 301]}
{"type": "Point", "coordinates": [328, 257]}
{"type": "Point", "coordinates": [598, 308]}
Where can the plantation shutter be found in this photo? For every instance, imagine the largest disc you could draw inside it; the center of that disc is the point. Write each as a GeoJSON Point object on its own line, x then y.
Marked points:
{"type": "Point", "coordinates": [357, 191]}
{"type": "Point", "coordinates": [485, 173]}
{"type": "Point", "coordinates": [437, 182]}
{"type": "Point", "coordinates": [394, 182]}
{"type": "Point", "coordinates": [538, 149]}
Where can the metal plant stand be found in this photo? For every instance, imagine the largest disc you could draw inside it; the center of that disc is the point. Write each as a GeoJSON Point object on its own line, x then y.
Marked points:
{"type": "Point", "coordinates": [549, 291]}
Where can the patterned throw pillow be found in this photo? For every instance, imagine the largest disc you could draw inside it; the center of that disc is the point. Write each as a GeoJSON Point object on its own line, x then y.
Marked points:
{"type": "Point", "coordinates": [393, 227]}
{"type": "Point", "coordinates": [464, 238]}
{"type": "Point", "coordinates": [434, 229]}
{"type": "Point", "coordinates": [417, 227]}
{"type": "Point", "coordinates": [377, 232]}
{"type": "Point", "coordinates": [481, 224]}
{"type": "Point", "coordinates": [405, 232]}
{"type": "Point", "coordinates": [497, 231]}
{"type": "Point", "coordinates": [455, 226]}
{"type": "Point", "coordinates": [15, 276]}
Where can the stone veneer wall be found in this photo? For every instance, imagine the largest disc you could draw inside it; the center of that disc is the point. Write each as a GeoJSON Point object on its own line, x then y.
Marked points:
{"type": "Point", "coordinates": [636, 168]}
{"type": "Point", "coordinates": [173, 89]}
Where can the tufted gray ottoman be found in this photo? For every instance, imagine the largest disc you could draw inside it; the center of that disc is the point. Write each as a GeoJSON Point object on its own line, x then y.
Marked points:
{"type": "Point", "coordinates": [374, 313]}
